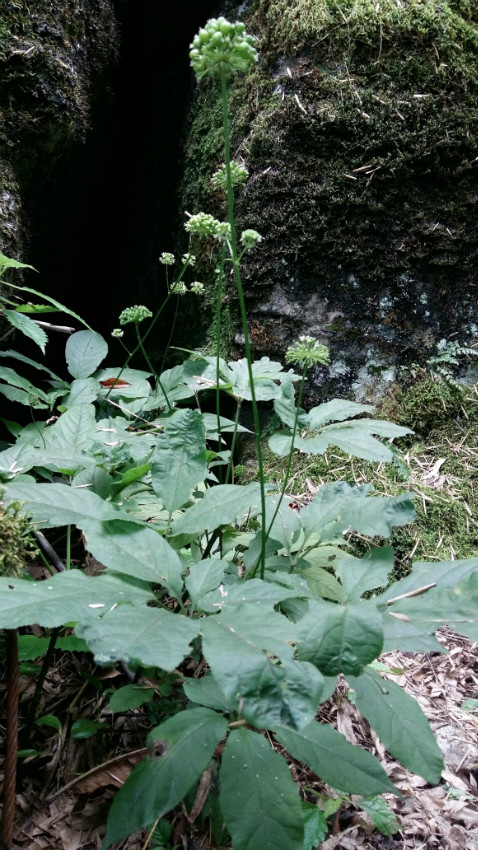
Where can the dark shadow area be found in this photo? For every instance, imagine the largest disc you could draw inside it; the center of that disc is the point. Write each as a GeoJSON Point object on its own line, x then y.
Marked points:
{"type": "Point", "coordinates": [108, 212]}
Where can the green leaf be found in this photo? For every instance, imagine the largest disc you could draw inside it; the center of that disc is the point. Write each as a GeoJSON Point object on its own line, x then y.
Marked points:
{"type": "Point", "coordinates": [443, 574]}
{"type": "Point", "coordinates": [31, 647]}
{"type": "Point", "coordinates": [399, 723]}
{"type": "Point", "coordinates": [131, 696]}
{"type": "Point", "coordinates": [405, 636]}
{"type": "Point", "coordinates": [220, 505]}
{"type": "Point", "coordinates": [86, 728]}
{"type": "Point", "coordinates": [58, 504]}
{"type": "Point", "coordinates": [179, 460]}
{"type": "Point", "coordinates": [334, 760]}
{"type": "Point", "coordinates": [15, 380]}
{"type": "Point", "coordinates": [361, 574]}
{"type": "Point", "coordinates": [27, 327]}
{"type": "Point", "coordinates": [455, 606]}
{"type": "Point", "coordinates": [380, 815]}
{"type": "Point", "coordinates": [49, 720]}
{"type": "Point", "coordinates": [267, 375]}
{"type": "Point", "coordinates": [8, 263]}
{"type": "Point", "coordinates": [340, 638]}
{"type": "Point", "coordinates": [206, 692]}
{"type": "Point", "coordinates": [66, 597]}
{"type": "Point", "coordinates": [335, 411]}
{"type": "Point", "coordinates": [75, 430]}
{"type": "Point", "coordinates": [136, 551]}
{"type": "Point", "coordinates": [84, 352]}
{"type": "Point", "coordinates": [50, 300]}
{"type": "Point", "coordinates": [315, 826]}
{"type": "Point", "coordinates": [153, 636]}
{"type": "Point", "coordinates": [82, 391]}
{"type": "Point", "coordinates": [185, 744]}
{"type": "Point", "coordinates": [269, 693]}
{"type": "Point", "coordinates": [259, 800]}
{"type": "Point", "coordinates": [204, 577]}
{"type": "Point", "coordinates": [322, 583]}
{"type": "Point", "coordinates": [40, 366]}
{"type": "Point", "coordinates": [339, 507]}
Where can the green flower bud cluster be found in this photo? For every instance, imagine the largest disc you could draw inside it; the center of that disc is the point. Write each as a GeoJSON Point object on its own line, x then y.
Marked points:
{"type": "Point", "coordinates": [250, 238]}
{"type": "Point", "coordinates": [188, 259]}
{"type": "Point", "coordinates": [239, 174]}
{"type": "Point", "coordinates": [197, 287]}
{"type": "Point", "coordinates": [179, 288]}
{"type": "Point", "coordinates": [134, 314]}
{"type": "Point", "coordinates": [167, 259]}
{"type": "Point", "coordinates": [117, 333]}
{"type": "Point", "coordinates": [223, 231]}
{"type": "Point", "coordinates": [306, 352]}
{"type": "Point", "coordinates": [202, 225]}
{"type": "Point", "coordinates": [222, 48]}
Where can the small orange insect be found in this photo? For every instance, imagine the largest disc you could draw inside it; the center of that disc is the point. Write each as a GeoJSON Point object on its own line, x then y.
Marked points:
{"type": "Point", "coordinates": [117, 383]}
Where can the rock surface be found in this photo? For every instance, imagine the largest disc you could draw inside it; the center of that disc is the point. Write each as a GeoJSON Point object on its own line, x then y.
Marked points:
{"type": "Point", "coordinates": [359, 129]}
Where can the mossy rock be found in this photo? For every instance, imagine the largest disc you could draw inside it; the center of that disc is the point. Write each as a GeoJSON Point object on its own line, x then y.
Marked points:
{"type": "Point", "coordinates": [358, 128]}
{"type": "Point", "coordinates": [52, 55]}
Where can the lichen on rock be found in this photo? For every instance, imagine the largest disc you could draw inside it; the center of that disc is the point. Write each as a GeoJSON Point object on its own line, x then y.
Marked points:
{"type": "Point", "coordinates": [358, 129]}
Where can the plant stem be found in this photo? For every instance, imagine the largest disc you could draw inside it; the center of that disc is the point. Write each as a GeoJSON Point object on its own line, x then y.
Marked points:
{"type": "Point", "coordinates": [242, 307]}
{"type": "Point", "coordinates": [12, 736]}
{"type": "Point", "coordinates": [218, 344]}
{"type": "Point", "coordinates": [291, 452]}
{"type": "Point", "coordinates": [150, 365]}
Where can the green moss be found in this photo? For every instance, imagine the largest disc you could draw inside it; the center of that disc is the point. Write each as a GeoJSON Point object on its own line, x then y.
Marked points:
{"type": "Point", "coordinates": [358, 127]}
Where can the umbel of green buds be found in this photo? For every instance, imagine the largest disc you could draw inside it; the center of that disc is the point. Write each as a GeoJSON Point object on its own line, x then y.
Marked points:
{"type": "Point", "coordinates": [222, 48]}
{"type": "Point", "coordinates": [250, 239]}
{"type": "Point", "coordinates": [306, 352]}
{"type": "Point", "coordinates": [202, 225]}
{"type": "Point", "coordinates": [134, 314]}
{"type": "Point", "coordinates": [239, 174]}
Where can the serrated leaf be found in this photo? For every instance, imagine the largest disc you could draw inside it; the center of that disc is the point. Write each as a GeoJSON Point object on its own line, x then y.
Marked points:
{"type": "Point", "coordinates": [82, 391]}
{"type": "Point", "coordinates": [334, 760]}
{"type": "Point", "coordinates": [335, 411]}
{"type": "Point", "coordinates": [361, 574]}
{"type": "Point", "coordinates": [220, 505]}
{"type": "Point", "coordinates": [259, 800]}
{"type": "Point", "coordinates": [455, 606]}
{"type": "Point", "coordinates": [179, 460]}
{"type": "Point", "coordinates": [136, 551]}
{"type": "Point", "coordinates": [57, 504]}
{"type": "Point", "coordinates": [153, 636]}
{"type": "Point", "coordinates": [235, 645]}
{"type": "Point", "coordinates": [66, 597]}
{"type": "Point", "coordinates": [28, 328]}
{"type": "Point", "coordinates": [340, 638]}
{"type": "Point", "coordinates": [315, 826]}
{"type": "Point", "coordinates": [339, 507]}
{"type": "Point", "coordinates": [186, 742]}
{"type": "Point", "coordinates": [129, 697]}
{"type": "Point", "coordinates": [206, 692]}
{"type": "Point", "coordinates": [399, 723]}
{"type": "Point", "coordinates": [84, 352]}
{"type": "Point", "coordinates": [8, 263]}
{"type": "Point", "coordinates": [204, 577]}
{"type": "Point", "coordinates": [60, 307]}
{"type": "Point", "coordinates": [75, 429]}
{"type": "Point", "coordinates": [380, 815]}
{"type": "Point", "coordinates": [322, 583]}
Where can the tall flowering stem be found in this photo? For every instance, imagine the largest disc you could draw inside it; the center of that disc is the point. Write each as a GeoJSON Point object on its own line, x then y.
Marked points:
{"type": "Point", "coordinates": [242, 308]}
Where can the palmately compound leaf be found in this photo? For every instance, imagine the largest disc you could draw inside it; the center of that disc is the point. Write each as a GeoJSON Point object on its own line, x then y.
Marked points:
{"type": "Point", "coordinates": [399, 723]}
{"type": "Point", "coordinates": [259, 800]}
{"type": "Point", "coordinates": [181, 748]}
{"type": "Point", "coordinates": [340, 638]}
{"type": "Point", "coordinates": [333, 759]}
{"type": "Point", "coordinates": [65, 597]}
{"type": "Point", "coordinates": [179, 460]}
{"type": "Point", "coordinates": [84, 352]}
{"type": "Point", "coordinates": [152, 636]}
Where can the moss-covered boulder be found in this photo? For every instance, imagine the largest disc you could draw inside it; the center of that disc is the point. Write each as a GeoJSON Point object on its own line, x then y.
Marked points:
{"type": "Point", "coordinates": [359, 130]}
{"type": "Point", "coordinates": [53, 53]}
